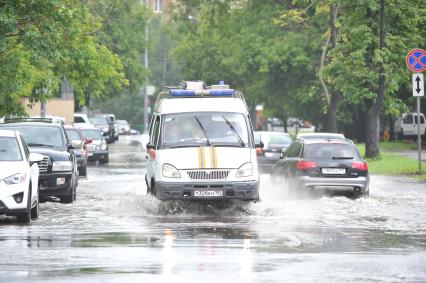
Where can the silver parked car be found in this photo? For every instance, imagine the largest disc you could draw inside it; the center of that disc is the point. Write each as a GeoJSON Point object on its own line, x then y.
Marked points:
{"type": "Point", "coordinates": [273, 145]}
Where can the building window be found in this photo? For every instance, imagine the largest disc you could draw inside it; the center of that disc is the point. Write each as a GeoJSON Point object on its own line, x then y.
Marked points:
{"type": "Point", "coordinates": [157, 7]}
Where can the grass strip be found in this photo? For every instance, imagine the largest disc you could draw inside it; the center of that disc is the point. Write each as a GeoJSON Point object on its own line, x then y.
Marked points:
{"type": "Point", "coordinates": [391, 163]}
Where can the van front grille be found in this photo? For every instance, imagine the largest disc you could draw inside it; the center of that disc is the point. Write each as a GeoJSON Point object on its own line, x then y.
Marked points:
{"type": "Point", "coordinates": [208, 174]}
{"type": "Point", "coordinates": [42, 165]}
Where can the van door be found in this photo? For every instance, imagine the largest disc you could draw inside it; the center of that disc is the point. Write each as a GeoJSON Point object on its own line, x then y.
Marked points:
{"type": "Point", "coordinates": [153, 139]}
{"type": "Point", "coordinates": [408, 127]}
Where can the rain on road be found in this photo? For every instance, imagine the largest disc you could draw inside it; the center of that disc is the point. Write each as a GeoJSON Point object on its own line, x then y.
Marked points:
{"type": "Point", "coordinates": [116, 232]}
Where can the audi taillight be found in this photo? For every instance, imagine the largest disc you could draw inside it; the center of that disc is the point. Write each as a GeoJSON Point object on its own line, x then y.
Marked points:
{"type": "Point", "coordinates": [360, 165]}
{"type": "Point", "coordinates": [303, 165]}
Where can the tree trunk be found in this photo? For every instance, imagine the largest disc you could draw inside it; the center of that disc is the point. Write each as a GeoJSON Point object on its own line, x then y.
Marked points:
{"type": "Point", "coordinates": [372, 135]}
{"type": "Point", "coordinates": [335, 94]}
{"type": "Point", "coordinates": [331, 113]}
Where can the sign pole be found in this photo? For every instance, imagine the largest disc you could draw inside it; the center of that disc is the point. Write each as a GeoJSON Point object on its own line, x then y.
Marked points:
{"type": "Point", "coordinates": [419, 137]}
{"type": "Point", "coordinates": [416, 62]}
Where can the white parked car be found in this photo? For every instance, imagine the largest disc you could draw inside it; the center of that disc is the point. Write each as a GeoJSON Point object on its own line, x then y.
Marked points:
{"type": "Point", "coordinates": [81, 120]}
{"type": "Point", "coordinates": [19, 173]}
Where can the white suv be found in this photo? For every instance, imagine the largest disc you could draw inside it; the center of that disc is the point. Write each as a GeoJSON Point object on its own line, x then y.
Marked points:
{"type": "Point", "coordinates": [18, 177]}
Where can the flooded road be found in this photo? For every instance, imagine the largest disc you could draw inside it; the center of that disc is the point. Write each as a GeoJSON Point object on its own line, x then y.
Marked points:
{"type": "Point", "coordinates": [116, 232]}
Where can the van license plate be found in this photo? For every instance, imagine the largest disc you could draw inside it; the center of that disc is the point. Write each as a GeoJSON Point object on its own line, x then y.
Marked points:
{"type": "Point", "coordinates": [333, 171]}
{"type": "Point", "coordinates": [208, 193]}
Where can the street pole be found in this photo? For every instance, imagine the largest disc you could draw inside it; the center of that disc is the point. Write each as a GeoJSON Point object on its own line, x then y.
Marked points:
{"type": "Point", "coordinates": [419, 136]}
{"type": "Point", "coordinates": [145, 86]}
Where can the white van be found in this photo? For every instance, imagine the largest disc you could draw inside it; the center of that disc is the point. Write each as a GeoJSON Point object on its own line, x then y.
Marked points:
{"type": "Point", "coordinates": [406, 126]}
{"type": "Point", "coordinates": [201, 146]}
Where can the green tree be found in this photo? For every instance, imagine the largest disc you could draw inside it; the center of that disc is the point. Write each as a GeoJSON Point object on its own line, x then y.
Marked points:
{"type": "Point", "coordinates": [43, 40]}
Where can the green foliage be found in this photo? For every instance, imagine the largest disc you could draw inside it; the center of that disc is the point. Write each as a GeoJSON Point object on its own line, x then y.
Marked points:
{"type": "Point", "coordinates": [272, 50]}
{"type": "Point", "coordinates": [41, 41]}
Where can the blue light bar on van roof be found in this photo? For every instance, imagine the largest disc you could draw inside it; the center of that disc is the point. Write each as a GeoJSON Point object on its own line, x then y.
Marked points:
{"type": "Point", "coordinates": [204, 92]}
{"type": "Point", "coordinates": [221, 92]}
{"type": "Point", "coordinates": [182, 92]}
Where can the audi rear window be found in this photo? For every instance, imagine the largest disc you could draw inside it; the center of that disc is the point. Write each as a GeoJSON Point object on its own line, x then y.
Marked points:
{"type": "Point", "coordinates": [331, 151]}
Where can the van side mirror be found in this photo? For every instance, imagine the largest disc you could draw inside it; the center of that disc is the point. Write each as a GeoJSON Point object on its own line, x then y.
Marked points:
{"type": "Point", "coordinates": [150, 146]}
{"type": "Point", "coordinates": [144, 139]}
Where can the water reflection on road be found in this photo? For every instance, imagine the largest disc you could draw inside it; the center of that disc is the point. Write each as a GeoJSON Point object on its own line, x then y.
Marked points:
{"type": "Point", "coordinates": [116, 232]}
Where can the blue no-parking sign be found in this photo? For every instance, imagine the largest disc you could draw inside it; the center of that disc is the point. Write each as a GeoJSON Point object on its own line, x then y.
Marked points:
{"type": "Point", "coordinates": [416, 60]}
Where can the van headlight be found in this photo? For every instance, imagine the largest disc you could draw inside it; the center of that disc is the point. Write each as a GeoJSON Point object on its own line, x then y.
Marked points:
{"type": "Point", "coordinates": [245, 170]}
{"type": "Point", "coordinates": [15, 179]}
{"type": "Point", "coordinates": [62, 166]}
{"type": "Point", "coordinates": [169, 171]}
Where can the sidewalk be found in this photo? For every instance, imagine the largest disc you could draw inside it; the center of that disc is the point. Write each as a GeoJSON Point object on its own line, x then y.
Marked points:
{"type": "Point", "coordinates": [413, 154]}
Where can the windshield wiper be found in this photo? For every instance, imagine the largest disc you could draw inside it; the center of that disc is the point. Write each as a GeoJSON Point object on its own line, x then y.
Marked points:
{"type": "Point", "coordinates": [182, 145]}
{"type": "Point", "coordinates": [202, 128]}
{"type": "Point", "coordinates": [240, 140]}
{"type": "Point", "coordinates": [343, 157]}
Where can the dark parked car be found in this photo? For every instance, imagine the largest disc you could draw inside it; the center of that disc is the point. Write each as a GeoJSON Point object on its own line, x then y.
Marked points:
{"type": "Point", "coordinates": [273, 145]}
{"type": "Point", "coordinates": [114, 121]}
{"type": "Point", "coordinates": [104, 124]}
{"type": "Point", "coordinates": [76, 138]}
{"type": "Point", "coordinates": [58, 170]}
{"type": "Point", "coordinates": [100, 153]}
{"type": "Point", "coordinates": [324, 166]}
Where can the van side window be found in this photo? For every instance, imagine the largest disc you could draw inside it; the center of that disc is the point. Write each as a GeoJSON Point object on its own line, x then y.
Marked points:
{"type": "Point", "coordinates": [298, 150]}
{"type": "Point", "coordinates": [422, 119]}
{"type": "Point", "coordinates": [408, 119]}
{"type": "Point", "coordinates": [155, 131]}
{"type": "Point", "coordinates": [294, 150]}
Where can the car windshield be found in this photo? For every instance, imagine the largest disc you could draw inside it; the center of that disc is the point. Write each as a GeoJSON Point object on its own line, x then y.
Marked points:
{"type": "Point", "coordinates": [195, 129]}
{"type": "Point", "coordinates": [92, 134]}
{"type": "Point", "coordinates": [279, 139]}
{"type": "Point", "coordinates": [73, 134]}
{"type": "Point", "coordinates": [41, 136]}
{"type": "Point", "coordinates": [98, 120]}
{"type": "Point", "coordinates": [331, 151]}
{"type": "Point", "coordinates": [9, 149]}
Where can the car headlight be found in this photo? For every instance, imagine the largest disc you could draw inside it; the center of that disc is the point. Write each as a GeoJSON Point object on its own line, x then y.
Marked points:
{"type": "Point", "coordinates": [62, 166]}
{"type": "Point", "coordinates": [15, 179]}
{"type": "Point", "coordinates": [245, 170]}
{"type": "Point", "coordinates": [103, 146]}
{"type": "Point", "coordinates": [170, 171]}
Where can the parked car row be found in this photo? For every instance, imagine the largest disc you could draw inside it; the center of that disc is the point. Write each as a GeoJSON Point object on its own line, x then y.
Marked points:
{"type": "Point", "coordinates": [41, 159]}
{"type": "Point", "coordinates": [324, 163]}
{"type": "Point", "coordinates": [109, 126]}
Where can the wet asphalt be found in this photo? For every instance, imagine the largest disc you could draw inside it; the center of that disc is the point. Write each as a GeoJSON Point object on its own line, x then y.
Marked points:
{"type": "Point", "coordinates": [115, 232]}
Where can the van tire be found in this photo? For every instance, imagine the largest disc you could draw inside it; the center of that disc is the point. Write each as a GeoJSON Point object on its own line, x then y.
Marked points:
{"type": "Point", "coordinates": [153, 191]}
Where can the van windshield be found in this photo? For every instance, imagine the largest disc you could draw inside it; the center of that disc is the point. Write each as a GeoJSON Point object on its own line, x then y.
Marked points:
{"type": "Point", "coordinates": [204, 129]}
